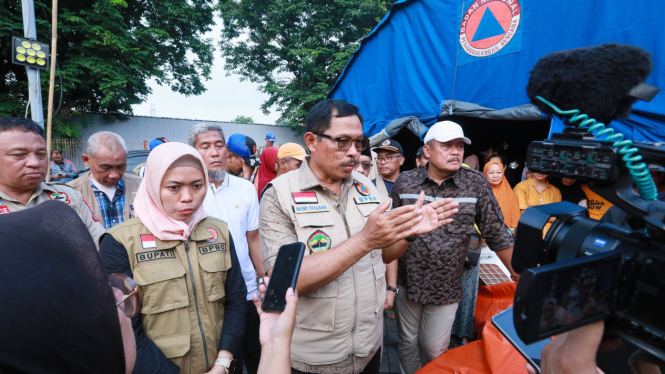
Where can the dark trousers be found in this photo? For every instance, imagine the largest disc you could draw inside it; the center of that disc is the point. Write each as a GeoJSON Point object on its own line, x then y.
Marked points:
{"type": "Point", "coordinates": [251, 347]}
{"type": "Point", "coordinates": [371, 368]}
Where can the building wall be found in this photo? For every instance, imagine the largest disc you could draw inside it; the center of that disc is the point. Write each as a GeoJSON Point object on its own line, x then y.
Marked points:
{"type": "Point", "coordinates": [137, 129]}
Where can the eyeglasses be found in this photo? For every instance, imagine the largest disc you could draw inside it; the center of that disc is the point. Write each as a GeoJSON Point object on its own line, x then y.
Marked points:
{"type": "Point", "coordinates": [126, 293]}
{"type": "Point", "coordinates": [344, 143]}
{"type": "Point", "coordinates": [387, 159]}
{"type": "Point", "coordinates": [366, 165]}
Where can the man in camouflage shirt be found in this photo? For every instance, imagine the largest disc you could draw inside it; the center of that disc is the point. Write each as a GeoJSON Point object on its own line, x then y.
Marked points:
{"type": "Point", "coordinates": [430, 271]}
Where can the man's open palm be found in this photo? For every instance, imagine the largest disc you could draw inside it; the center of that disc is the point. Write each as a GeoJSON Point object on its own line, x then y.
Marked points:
{"type": "Point", "coordinates": [436, 214]}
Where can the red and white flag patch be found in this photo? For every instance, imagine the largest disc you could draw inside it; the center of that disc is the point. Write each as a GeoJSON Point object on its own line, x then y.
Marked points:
{"type": "Point", "coordinates": [148, 241]}
{"type": "Point", "coordinates": [305, 198]}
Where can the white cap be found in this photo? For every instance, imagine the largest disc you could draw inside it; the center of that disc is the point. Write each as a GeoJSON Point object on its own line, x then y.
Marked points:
{"type": "Point", "coordinates": [445, 131]}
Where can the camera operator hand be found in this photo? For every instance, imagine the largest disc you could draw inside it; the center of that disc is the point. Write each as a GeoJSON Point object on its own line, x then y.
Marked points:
{"type": "Point", "coordinates": [572, 352]}
{"type": "Point", "coordinates": [275, 333]}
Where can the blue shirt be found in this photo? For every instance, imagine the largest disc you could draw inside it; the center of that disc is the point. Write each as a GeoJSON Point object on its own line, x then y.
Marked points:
{"type": "Point", "coordinates": [389, 185]}
{"type": "Point", "coordinates": [111, 210]}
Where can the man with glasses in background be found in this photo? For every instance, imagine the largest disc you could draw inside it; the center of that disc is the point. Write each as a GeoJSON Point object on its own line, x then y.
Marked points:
{"type": "Point", "coordinates": [349, 234]}
{"type": "Point", "coordinates": [388, 161]}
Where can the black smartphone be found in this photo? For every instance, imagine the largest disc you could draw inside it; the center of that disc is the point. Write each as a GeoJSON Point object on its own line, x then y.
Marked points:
{"type": "Point", "coordinates": [284, 275]}
{"type": "Point", "coordinates": [562, 296]}
{"type": "Point", "coordinates": [503, 321]}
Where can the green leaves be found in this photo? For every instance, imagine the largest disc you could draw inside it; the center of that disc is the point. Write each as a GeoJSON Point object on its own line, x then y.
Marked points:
{"type": "Point", "coordinates": [108, 50]}
{"type": "Point", "coordinates": [294, 49]}
{"type": "Point", "coordinates": [243, 119]}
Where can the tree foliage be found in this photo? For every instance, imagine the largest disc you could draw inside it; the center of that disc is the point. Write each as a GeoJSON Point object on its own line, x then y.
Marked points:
{"type": "Point", "coordinates": [294, 49]}
{"type": "Point", "coordinates": [243, 119]}
{"type": "Point", "coordinates": [107, 52]}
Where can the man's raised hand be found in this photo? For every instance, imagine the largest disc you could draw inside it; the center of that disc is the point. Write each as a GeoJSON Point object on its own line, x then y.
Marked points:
{"type": "Point", "coordinates": [384, 227]}
{"type": "Point", "coordinates": [436, 214]}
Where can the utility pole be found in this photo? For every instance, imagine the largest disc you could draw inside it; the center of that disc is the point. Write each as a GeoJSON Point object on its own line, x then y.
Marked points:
{"type": "Point", "coordinates": [34, 86]}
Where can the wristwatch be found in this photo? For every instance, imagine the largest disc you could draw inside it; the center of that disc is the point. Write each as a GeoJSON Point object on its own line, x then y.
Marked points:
{"type": "Point", "coordinates": [225, 363]}
{"type": "Point", "coordinates": [392, 289]}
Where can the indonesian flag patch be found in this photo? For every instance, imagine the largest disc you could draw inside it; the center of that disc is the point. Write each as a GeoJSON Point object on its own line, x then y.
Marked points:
{"type": "Point", "coordinates": [305, 197]}
{"type": "Point", "coordinates": [148, 241]}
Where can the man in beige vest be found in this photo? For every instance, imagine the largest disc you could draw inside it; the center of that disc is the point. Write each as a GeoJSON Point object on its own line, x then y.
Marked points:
{"type": "Point", "coordinates": [389, 159]}
{"type": "Point", "coordinates": [106, 187]}
{"type": "Point", "coordinates": [24, 166]}
{"type": "Point", "coordinates": [388, 162]}
{"type": "Point", "coordinates": [349, 234]}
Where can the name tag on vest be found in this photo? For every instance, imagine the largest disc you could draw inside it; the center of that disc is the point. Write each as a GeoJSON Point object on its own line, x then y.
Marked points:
{"type": "Point", "coordinates": [366, 200]}
{"type": "Point", "coordinates": [310, 208]}
{"type": "Point", "coordinates": [208, 249]}
{"type": "Point", "coordinates": [154, 255]}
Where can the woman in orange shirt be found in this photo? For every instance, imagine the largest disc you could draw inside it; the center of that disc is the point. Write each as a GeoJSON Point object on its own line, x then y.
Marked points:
{"type": "Point", "coordinates": [536, 191]}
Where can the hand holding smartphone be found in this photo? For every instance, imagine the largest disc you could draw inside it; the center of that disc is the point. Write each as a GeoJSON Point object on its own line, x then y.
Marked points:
{"type": "Point", "coordinates": [284, 275]}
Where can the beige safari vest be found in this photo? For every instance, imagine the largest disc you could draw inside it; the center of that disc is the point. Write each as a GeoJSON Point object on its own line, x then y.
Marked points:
{"type": "Point", "coordinates": [344, 317]}
{"type": "Point", "coordinates": [131, 182]}
{"type": "Point", "coordinates": [57, 192]}
{"type": "Point", "coordinates": [182, 289]}
{"type": "Point", "coordinates": [383, 190]}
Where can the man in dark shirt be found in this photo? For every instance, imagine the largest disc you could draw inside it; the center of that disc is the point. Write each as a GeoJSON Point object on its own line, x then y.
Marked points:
{"type": "Point", "coordinates": [571, 191]}
{"type": "Point", "coordinates": [430, 271]}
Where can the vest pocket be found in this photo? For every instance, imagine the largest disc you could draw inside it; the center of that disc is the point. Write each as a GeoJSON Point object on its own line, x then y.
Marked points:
{"type": "Point", "coordinates": [367, 209]}
{"type": "Point", "coordinates": [163, 286]}
{"type": "Point", "coordinates": [379, 284]}
{"type": "Point", "coordinates": [316, 310]}
{"type": "Point", "coordinates": [462, 224]}
{"type": "Point", "coordinates": [214, 265]}
{"type": "Point", "coordinates": [319, 219]}
{"type": "Point", "coordinates": [173, 346]}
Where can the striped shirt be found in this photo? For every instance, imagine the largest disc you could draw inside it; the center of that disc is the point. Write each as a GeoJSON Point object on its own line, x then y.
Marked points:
{"type": "Point", "coordinates": [111, 210]}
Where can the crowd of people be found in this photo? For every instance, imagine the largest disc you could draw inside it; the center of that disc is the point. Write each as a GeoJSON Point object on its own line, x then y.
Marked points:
{"type": "Point", "coordinates": [189, 239]}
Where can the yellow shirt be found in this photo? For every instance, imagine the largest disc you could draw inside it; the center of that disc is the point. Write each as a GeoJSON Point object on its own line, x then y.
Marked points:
{"type": "Point", "coordinates": [528, 195]}
{"type": "Point", "coordinates": [596, 204]}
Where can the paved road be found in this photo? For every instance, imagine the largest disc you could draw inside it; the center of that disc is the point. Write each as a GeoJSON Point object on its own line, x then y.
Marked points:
{"type": "Point", "coordinates": [390, 360]}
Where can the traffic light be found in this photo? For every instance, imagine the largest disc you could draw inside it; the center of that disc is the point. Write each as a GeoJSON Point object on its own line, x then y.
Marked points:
{"type": "Point", "coordinates": [30, 53]}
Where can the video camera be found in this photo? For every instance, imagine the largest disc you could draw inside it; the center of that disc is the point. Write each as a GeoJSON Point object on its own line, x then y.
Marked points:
{"type": "Point", "coordinates": [583, 270]}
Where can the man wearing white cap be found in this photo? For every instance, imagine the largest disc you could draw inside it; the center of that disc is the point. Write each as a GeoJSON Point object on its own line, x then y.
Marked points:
{"type": "Point", "coordinates": [430, 271]}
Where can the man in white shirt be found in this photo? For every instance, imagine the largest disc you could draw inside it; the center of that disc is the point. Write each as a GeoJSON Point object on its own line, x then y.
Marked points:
{"type": "Point", "coordinates": [234, 201]}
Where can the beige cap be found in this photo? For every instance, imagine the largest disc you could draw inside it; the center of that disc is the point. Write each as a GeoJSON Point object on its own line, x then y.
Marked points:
{"type": "Point", "coordinates": [291, 150]}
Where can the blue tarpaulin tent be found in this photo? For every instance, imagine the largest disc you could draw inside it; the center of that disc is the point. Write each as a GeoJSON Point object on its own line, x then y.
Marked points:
{"type": "Point", "coordinates": [428, 57]}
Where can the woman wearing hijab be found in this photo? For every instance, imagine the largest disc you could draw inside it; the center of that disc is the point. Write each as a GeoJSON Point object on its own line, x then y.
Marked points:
{"type": "Point", "coordinates": [510, 207]}
{"type": "Point", "coordinates": [186, 268]}
{"type": "Point", "coordinates": [267, 170]}
{"type": "Point", "coordinates": [58, 311]}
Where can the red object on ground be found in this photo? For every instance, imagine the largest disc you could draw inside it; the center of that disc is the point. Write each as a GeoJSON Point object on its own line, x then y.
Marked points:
{"type": "Point", "coordinates": [491, 300]}
{"type": "Point", "coordinates": [491, 353]}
